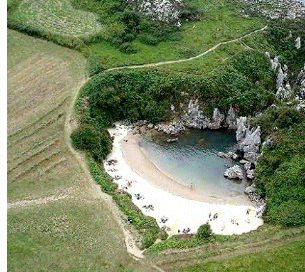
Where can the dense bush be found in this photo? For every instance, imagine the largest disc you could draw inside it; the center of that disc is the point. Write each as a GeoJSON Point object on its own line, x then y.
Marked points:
{"type": "Point", "coordinates": [204, 232]}
{"type": "Point", "coordinates": [280, 172]}
{"type": "Point", "coordinates": [97, 142]}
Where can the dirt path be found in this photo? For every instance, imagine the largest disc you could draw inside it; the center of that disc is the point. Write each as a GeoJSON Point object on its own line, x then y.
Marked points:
{"type": "Point", "coordinates": [96, 190]}
{"type": "Point", "coordinates": [129, 239]}
{"type": "Point", "coordinates": [189, 59]}
{"type": "Point", "coordinates": [38, 201]}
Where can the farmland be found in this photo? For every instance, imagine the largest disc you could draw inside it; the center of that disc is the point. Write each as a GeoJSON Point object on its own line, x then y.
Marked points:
{"type": "Point", "coordinates": [57, 220]}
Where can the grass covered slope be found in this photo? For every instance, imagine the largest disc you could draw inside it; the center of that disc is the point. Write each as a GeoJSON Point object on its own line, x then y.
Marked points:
{"type": "Point", "coordinates": [56, 20]}
{"type": "Point", "coordinates": [289, 257]}
{"type": "Point", "coordinates": [56, 218]}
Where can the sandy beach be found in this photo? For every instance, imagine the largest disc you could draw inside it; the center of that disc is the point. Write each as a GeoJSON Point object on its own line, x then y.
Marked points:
{"type": "Point", "coordinates": [176, 207]}
{"type": "Point", "coordinates": [144, 167]}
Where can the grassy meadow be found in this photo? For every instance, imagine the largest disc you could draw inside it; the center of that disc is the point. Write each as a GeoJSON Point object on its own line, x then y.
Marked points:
{"type": "Point", "coordinates": [56, 219]}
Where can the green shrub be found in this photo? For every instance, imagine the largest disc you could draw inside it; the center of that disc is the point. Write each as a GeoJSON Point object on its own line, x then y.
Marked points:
{"type": "Point", "coordinates": [97, 142]}
{"type": "Point", "coordinates": [204, 232]}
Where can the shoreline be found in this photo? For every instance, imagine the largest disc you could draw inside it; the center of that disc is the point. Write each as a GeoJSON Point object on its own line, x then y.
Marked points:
{"type": "Point", "coordinates": [141, 164]}
{"type": "Point", "coordinates": [172, 211]}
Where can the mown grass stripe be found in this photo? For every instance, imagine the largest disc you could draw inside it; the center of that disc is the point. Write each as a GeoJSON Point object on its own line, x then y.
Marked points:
{"type": "Point", "coordinates": [34, 166]}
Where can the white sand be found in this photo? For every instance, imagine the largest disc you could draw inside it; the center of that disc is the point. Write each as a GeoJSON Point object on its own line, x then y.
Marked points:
{"type": "Point", "coordinates": [184, 208]}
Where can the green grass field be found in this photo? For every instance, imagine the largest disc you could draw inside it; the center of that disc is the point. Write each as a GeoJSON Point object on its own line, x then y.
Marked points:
{"type": "Point", "coordinates": [221, 24]}
{"type": "Point", "coordinates": [56, 219]}
{"type": "Point", "coordinates": [54, 19]}
{"type": "Point", "coordinates": [289, 257]}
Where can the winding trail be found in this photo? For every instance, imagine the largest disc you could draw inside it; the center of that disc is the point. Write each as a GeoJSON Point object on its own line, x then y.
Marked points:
{"type": "Point", "coordinates": [131, 246]}
{"type": "Point", "coordinates": [188, 59]}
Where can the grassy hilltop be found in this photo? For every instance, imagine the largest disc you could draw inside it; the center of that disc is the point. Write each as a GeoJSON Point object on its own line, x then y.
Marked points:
{"type": "Point", "coordinates": [58, 219]}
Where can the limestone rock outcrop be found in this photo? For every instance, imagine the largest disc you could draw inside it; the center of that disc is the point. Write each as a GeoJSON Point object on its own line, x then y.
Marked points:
{"type": "Point", "coordinates": [248, 140]}
{"type": "Point", "coordinates": [194, 117]}
{"type": "Point", "coordinates": [217, 120]}
{"type": "Point", "coordinates": [231, 122]}
{"type": "Point", "coordinates": [173, 128]}
{"type": "Point", "coordinates": [301, 83]}
{"type": "Point", "coordinates": [234, 172]}
{"type": "Point", "coordinates": [162, 10]}
{"type": "Point", "coordinates": [298, 43]}
{"type": "Point", "coordinates": [282, 84]}
{"type": "Point", "coordinates": [250, 189]}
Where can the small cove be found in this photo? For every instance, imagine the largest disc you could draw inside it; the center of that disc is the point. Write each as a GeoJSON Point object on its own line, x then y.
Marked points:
{"type": "Point", "coordinates": [193, 161]}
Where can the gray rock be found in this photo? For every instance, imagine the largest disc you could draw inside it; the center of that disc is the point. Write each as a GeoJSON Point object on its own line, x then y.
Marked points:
{"type": "Point", "coordinates": [248, 141]}
{"type": "Point", "coordinates": [284, 92]}
{"type": "Point", "coordinates": [274, 63]}
{"type": "Point", "coordinates": [260, 211]}
{"type": "Point", "coordinates": [217, 120]}
{"type": "Point", "coordinates": [250, 174]}
{"type": "Point", "coordinates": [234, 172]}
{"type": "Point", "coordinates": [247, 166]}
{"type": "Point", "coordinates": [193, 117]}
{"type": "Point", "coordinates": [282, 84]}
{"type": "Point", "coordinates": [173, 128]}
{"type": "Point", "coordinates": [161, 10]}
{"type": "Point", "coordinates": [298, 43]}
{"type": "Point", "coordinates": [250, 189]}
{"type": "Point", "coordinates": [172, 140]}
{"type": "Point", "coordinates": [231, 119]}
{"type": "Point", "coordinates": [243, 161]}
{"type": "Point", "coordinates": [242, 128]}
{"type": "Point", "coordinates": [301, 83]}
{"type": "Point", "coordinates": [222, 155]}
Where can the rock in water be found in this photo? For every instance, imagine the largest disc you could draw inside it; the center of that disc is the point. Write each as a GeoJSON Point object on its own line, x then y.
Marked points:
{"type": "Point", "coordinates": [234, 172]}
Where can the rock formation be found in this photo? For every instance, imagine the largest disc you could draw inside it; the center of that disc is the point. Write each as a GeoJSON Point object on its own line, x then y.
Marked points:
{"type": "Point", "coordinates": [298, 43]}
{"type": "Point", "coordinates": [194, 117]}
{"type": "Point", "coordinates": [282, 84]}
{"type": "Point", "coordinates": [231, 119]}
{"type": "Point", "coordinates": [301, 83]}
{"type": "Point", "coordinates": [162, 10]}
{"type": "Point", "coordinates": [248, 141]}
{"type": "Point", "coordinates": [217, 120]}
{"type": "Point", "coordinates": [234, 172]}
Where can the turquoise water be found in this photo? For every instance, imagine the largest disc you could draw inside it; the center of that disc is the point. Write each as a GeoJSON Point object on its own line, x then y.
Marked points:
{"type": "Point", "coordinates": [193, 161]}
